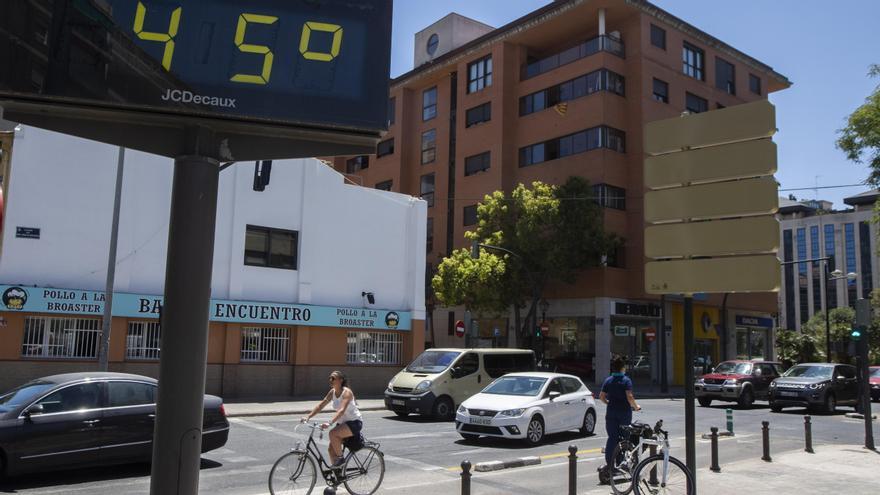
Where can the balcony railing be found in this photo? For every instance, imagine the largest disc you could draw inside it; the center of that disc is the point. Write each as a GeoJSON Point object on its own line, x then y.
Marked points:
{"type": "Point", "coordinates": [592, 46]}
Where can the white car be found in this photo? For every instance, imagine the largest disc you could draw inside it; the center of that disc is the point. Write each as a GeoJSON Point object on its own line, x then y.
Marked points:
{"type": "Point", "coordinates": [528, 406]}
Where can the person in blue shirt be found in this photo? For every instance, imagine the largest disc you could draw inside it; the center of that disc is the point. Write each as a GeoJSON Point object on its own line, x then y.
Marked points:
{"type": "Point", "coordinates": [617, 395]}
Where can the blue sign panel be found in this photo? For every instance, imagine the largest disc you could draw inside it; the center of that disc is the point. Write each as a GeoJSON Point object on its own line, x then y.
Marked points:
{"type": "Point", "coordinates": [754, 321]}
{"type": "Point", "coordinates": [73, 301]}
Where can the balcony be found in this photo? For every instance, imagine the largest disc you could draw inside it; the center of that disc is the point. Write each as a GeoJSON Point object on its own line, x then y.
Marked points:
{"type": "Point", "coordinates": [592, 46]}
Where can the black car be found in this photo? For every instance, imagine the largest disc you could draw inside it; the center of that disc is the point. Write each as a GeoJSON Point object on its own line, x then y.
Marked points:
{"type": "Point", "coordinates": [815, 385]}
{"type": "Point", "coordinates": [78, 419]}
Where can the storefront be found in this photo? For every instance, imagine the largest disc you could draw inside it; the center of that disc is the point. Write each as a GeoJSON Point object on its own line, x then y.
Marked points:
{"type": "Point", "coordinates": [706, 339]}
{"type": "Point", "coordinates": [753, 337]}
{"type": "Point", "coordinates": [634, 337]}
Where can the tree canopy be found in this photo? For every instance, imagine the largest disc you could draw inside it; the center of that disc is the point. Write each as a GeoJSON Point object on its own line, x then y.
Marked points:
{"type": "Point", "coordinates": [860, 139]}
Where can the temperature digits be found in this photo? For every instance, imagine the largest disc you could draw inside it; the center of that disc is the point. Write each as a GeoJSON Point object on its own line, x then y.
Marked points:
{"type": "Point", "coordinates": [167, 38]}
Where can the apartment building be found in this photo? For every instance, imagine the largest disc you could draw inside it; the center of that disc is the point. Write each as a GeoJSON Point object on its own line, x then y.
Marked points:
{"type": "Point", "coordinates": [564, 90]}
{"type": "Point", "coordinates": [847, 238]}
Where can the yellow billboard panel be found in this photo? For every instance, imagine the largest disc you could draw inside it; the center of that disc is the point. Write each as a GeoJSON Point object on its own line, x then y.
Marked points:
{"type": "Point", "coordinates": [760, 273]}
{"type": "Point", "coordinates": [747, 197]}
{"type": "Point", "coordinates": [739, 236]}
{"type": "Point", "coordinates": [733, 161]}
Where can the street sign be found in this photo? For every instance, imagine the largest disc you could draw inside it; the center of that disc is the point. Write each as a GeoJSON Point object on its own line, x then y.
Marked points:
{"type": "Point", "coordinates": [650, 334]}
{"type": "Point", "coordinates": [459, 328]}
{"type": "Point", "coordinates": [545, 328]}
{"type": "Point", "coordinates": [621, 331]}
{"type": "Point", "coordinates": [710, 202]}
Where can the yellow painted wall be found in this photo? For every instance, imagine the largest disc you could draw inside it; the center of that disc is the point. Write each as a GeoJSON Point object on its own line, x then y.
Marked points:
{"type": "Point", "coordinates": [677, 312]}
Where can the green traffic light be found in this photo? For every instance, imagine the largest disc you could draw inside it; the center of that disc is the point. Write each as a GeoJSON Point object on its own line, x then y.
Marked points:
{"type": "Point", "coordinates": [856, 334]}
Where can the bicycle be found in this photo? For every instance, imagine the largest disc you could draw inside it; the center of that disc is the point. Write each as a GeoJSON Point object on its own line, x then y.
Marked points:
{"type": "Point", "coordinates": [296, 472]}
{"type": "Point", "coordinates": [626, 456]}
{"type": "Point", "coordinates": [653, 476]}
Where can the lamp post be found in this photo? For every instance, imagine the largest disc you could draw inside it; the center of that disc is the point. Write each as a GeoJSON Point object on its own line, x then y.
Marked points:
{"type": "Point", "coordinates": [544, 305]}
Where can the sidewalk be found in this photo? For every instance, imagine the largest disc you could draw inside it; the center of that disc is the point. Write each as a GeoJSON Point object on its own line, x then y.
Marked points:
{"type": "Point", "coordinates": [849, 469]}
{"type": "Point", "coordinates": [274, 406]}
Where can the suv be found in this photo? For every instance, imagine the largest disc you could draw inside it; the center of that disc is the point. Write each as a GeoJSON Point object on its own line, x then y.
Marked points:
{"type": "Point", "coordinates": [874, 380]}
{"type": "Point", "coordinates": [824, 385]}
{"type": "Point", "coordinates": [737, 381]}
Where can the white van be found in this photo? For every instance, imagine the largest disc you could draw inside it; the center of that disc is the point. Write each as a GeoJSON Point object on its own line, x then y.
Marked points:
{"type": "Point", "coordinates": [440, 379]}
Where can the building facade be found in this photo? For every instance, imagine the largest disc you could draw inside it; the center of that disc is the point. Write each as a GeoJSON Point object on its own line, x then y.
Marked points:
{"type": "Point", "coordinates": [810, 230]}
{"type": "Point", "coordinates": [310, 272]}
{"type": "Point", "coordinates": [563, 91]}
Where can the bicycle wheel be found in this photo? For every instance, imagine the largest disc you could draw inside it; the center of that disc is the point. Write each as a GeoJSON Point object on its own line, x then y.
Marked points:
{"type": "Point", "coordinates": [364, 471]}
{"type": "Point", "coordinates": [648, 478]}
{"type": "Point", "coordinates": [294, 473]}
{"type": "Point", "coordinates": [626, 457]}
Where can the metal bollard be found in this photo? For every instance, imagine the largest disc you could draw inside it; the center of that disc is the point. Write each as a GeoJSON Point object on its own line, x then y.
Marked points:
{"type": "Point", "coordinates": [465, 477]}
{"type": "Point", "coordinates": [329, 491]}
{"type": "Point", "coordinates": [808, 434]}
{"type": "Point", "coordinates": [715, 468]}
{"type": "Point", "coordinates": [765, 431]}
{"type": "Point", "coordinates": [572, 469]}
{"type": "Point", "coordinates": [730, 421]}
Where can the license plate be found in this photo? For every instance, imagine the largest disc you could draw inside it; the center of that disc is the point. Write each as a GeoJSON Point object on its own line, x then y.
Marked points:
{"type": "Point", "coordinates": [398, 402]}
{"type": "Point", "coordinates": [713, 388]}
{"type": "Point", "coordinates": [481, 421]}
{"type": "Point", "coordinates": [788, 394]}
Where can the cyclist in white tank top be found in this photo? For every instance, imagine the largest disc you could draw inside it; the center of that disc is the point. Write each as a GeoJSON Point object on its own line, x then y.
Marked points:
{"type": "Point", "coordinates": [347, 418]}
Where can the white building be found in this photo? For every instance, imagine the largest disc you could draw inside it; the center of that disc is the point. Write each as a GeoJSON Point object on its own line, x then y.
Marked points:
{"type": "Point", "coordinates": [293, 265]}
{"type": "Point", "coordinates": [811, 229]}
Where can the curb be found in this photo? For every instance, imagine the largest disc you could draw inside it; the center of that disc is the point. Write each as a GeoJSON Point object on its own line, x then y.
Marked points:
{"type": "Point", "coordinates": [290, 412]}
{"type": "Point", "coordinates": [859, 416]}
{"type": "Point", "coordinates": [725, 433]}
{"type": "Point", "coordinates": [499, 465]}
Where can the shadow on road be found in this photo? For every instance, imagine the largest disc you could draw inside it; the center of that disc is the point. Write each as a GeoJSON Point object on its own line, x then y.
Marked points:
{"type": "Point", "coordinates": [561, 439]}
{"type": "Point", "coordinates": [84, 475]}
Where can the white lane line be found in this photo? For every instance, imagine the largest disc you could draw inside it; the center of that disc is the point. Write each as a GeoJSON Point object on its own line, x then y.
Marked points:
{"type": "Point", "coordinates": [412, 463]}
{"type": "Point", "coordinates": [243, 458]}
{"type": "Point", "coordinates": [465, 452]}
{"type": "Point", "coordinates": [403, 436]}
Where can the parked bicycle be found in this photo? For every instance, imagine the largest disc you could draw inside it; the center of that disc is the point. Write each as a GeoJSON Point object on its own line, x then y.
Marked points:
{"type": "Point", "coordinates": [661, 473]}
{"type": "Point", "coordinates": [296, 472]}
{"type": "Point", "coordinates": [626, 456]}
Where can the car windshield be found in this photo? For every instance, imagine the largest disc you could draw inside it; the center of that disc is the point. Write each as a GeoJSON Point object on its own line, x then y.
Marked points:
{"type": "Point", "coordinates": [875, 372]}
{"type": "Point", "coordinates": [731, 368]}
{"type": "Point", "coordinates": [432, 361]}
{"type": "Point", "coordinates": [23, 394]}
{"type": "Point", "coordinates": [810, 372]}
{"type": "Point", "coordinates": [516, 385]}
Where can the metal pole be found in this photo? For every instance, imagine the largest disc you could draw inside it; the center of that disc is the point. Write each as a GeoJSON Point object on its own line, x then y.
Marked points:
{"type": "Point", "coordinates": [765, 435]}
{"type": "Point", "coordinates": [572, 469]}
{"type": "Point", "coordinates": [827, 317]}
{"type": "Point", "coordinates": [729, 413]}
{"type": "Point", "coordinates": [689, 412]}
{"type": "Point", "coordinates": [661, 337]}
{"type": "Point", "coordinates": [865, 395]}
{"type": "Point", "coordinates": [465, 477]}
{"type": "Point", "coordinates": [107, 324]}
{"type": "Point", "coordinates": [808, 434]}
{"type": "Point", "coordinates": [178, 436]}
{"type": "Point", "coordinates": [715, 468]}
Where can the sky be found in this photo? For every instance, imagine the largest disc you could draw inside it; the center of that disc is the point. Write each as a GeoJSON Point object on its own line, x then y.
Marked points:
{"type": "Point", "coordinates": [823, 48]}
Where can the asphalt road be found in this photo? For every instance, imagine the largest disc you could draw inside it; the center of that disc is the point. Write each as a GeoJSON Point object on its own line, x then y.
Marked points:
{"type": "Point", "coordinates": [423, 456]}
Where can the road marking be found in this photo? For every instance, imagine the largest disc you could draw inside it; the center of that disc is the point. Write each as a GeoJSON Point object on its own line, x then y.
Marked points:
{"type": "Point", "coordinates": [412, 463]}
{"type": "Point", "coordinates": [243, 458]}
{"type": "Point", "coordinates": [403, 436]}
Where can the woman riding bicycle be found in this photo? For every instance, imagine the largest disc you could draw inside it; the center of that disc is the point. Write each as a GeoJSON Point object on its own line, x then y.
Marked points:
{"type": "Point", "coordinates": [618, 396]}
{"type": "Point", "coordinates": [347, 418]}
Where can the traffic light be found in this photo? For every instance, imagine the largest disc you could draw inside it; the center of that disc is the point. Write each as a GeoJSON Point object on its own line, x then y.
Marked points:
{"type": "Point", "coordinates": [856, 334]}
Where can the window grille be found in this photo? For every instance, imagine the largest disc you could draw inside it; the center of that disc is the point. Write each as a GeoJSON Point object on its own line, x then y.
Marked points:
{"type": "Point", "coordinates": [264, 345]}
{"type": "Point", "coordinates": [374, 348]}
{"type": "Point", "coordinates": [143, 340]}
{"type": "Point", "coordinates": [53, 337]}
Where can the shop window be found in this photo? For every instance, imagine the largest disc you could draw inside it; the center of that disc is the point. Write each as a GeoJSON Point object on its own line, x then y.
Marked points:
{"type": "Point", "coordinates": [374, 348]}
{"type": "Point", "coordinates": [52, 337]}
{"type": "Point", "coordinates": [143, 340]}
{"type": "Point", "coordinates": [264, 345]}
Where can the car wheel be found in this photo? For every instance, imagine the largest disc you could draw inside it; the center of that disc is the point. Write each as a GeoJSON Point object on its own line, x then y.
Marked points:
{"type": "Point", "coordinates": [469, 437]}
{"type": "Point", "coordinates": [775, 407]}
{"type": "Point", "coordinates": [444, 409]}
{"type": "Point", "coordinates": [746, 398]}
{"type": "Point", "coordinates": [535, 431]}
{"type": "Point", "coordinates": [830, 404]}
{"type": "Point", "coordinates": [401, 414]}
{"type": "Point", "coordinates": [589, 424]}
{"type": "Point", "coordinates": [704, 402]}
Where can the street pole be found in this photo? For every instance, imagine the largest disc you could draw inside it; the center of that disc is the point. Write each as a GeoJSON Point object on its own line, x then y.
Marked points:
{"type": "Point", "coordinates": [107, 323]}
{"type": "Point", "coordinates": [179, 410]}
{"type": "Point", "coordinates": [661, 337]}
{"type": "Point", "coordinates": [863, 323]}
{"type": "Point", "coordinates": [689, 412]}
{"type": "Point", "coordinates": [827, 314]}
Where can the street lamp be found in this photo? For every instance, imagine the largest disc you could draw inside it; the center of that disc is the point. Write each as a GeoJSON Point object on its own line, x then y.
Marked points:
{"type": "Point", "coordinates": [832, 277]}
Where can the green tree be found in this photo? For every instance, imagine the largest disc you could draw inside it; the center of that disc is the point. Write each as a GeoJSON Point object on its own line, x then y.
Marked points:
{"type": "Point", "coordinates": [794, 347]}
{"type": "Point", "coordinates": [842, 320]}
{"type": "Point", "coordinates": [546, 233]}
{"type": "Point", "coordinates": [860, 139]}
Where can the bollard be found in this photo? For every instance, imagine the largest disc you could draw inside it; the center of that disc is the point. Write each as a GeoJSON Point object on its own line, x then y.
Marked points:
{"type": "Point", "coordinates": [715, 468]}
{"type": "Point", "coordinates": [329, 491]}
{"type": "Point", "coordinates": [465, 477]}
{"type": "Point", "coordinates": [808, 434]}
{"type": "Point", "coordinates": [730, 421]}
{"type": "Point", "coordinates": [572, 469]}
{"type": "Point", "coordinates": [765, 431]}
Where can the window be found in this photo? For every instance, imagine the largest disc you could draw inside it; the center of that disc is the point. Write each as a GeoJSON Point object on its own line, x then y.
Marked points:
{"type": "Point", "coordinates": [693, 61]}
{"type": "Point", "coordinates": [392, 109]}
{"type": "Point", "coordinates": [847, 372]}
{"type": "Point", "coordinates": [469, 215]}
{"type": "Point", "coordinates": [357, 163]}
{"type": "Point", "coordinates": [479, 74]}
{"type": "Point", "coordinates": [385, 148]}
{"type": "Point", "coordinates": [122, 394]}
{"type": "Point", "coordinates": [866, 255]}
{"type": "Point", "coordinates": [429, 104]}
{"type": "Point", "coordinates": [600, 80]}
{"type": "Point", "coordinates": [143, 339]}
{"type": "Point", "coordinates": [385, 185]}
{"type": "Point", "coordinates": [802, 275]}
{"type": "Point", "coordinates": [616, 258]}
{"type": "Point", "coordinates": [426, 188]}
{"type": "Point", "coordinates": [477, 163]}
{"type": "Point", "coordinates": [658, 37]}
{"type": "Point", "coordinates": [429, 146]}
{"type": "Point", "coordinates": [572, 144]}
{"type": "Point", "coordinates": [849, 245]}
{"type": "Point", "coordinates": [815, 269]}
{"type": "Point", "coordinates": [51, 337]}
{"type": "Point", "coordinates": [754, 84]}
{"type": "Point", "coordinates": [271, 248]}
{"type": "Point", "coordinates": [501, 364]}
{"type": "Point", "coordinates": [788, 255]}
{"type": "Point", "coordinates": [661, 91]}
{"type": "Point", "coordinates": [829, 252]}
{"type": "Point", "coordinates": [478, 114]}
{"type": "Point", "coordinates": [725, 76]}
{"type": "Point", "coordinates": [610, 196]}
{"type": "Point", "coordinates": [467, 364]}
{"type": "Point", "coordinates": [74, 398]}
{"type": "Point", "coordinates": [537, 66]}
{"type": "Point", "coordinates": [433, 43]}
{"type": "Point", "coordinates": [429, 236]}
{"type": "Point", "coordinates": [571, 385]}
{"type": "Point", "coordinates": [695, 104]}
{"type": "Point", "coordinates": [374, 348]}
{"type": "Point", "coordinates": [264, 345]}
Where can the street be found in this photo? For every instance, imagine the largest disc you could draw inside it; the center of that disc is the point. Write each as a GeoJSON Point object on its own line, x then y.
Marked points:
{"type": "Point", "coordinates": [423, 456]}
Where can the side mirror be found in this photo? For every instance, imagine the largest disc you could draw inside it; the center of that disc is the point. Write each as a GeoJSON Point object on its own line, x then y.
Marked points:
{"type": "Point", "coordinates": [455, 372]}
{"type": "Point", "coordinates": [840, 378]}
{"type": "Point", "coordinates": [34, 409]}
{"type": "Point", "coordinates": [553, 395]}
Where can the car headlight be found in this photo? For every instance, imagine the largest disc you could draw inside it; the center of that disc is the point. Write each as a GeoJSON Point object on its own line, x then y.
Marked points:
{"type": "Point", "coordinates": [423, 386]}
{"type": "Point", "coordinates": [700, 381]}
{"type": "Point", "coordinates": [772, 384]}
{"type": "Point", "coordinates": [390, 383]}
{"type": "Point", "coordinates": [462, 409]}
{"type": "Point", "coordinates": [730, 381]}
{"type": "Point", "coordinates": [817, 386]}
{"type": "Point", "coordinates": [512, 412]}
